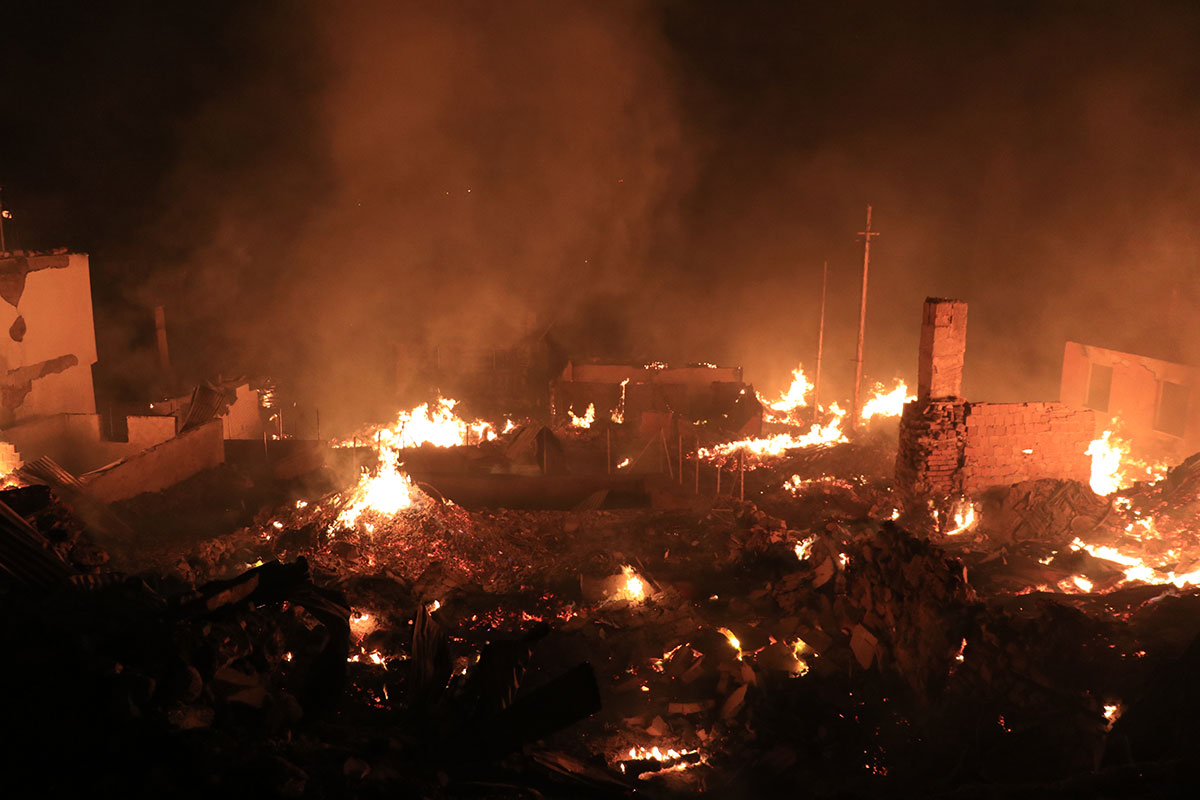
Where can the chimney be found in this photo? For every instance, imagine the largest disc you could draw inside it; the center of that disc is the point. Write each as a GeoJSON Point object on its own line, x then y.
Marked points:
{"type": "Point", "coordinates": [943, 346]}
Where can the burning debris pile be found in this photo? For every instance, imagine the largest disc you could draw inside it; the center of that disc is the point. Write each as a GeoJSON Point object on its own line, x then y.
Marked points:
{"type": "Point", "coordinates": [826, 632]}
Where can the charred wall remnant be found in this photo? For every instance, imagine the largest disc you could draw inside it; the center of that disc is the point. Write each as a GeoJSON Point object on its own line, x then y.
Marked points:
{"type": "Point", "coordinates": [1153, 398]}
{"type": "Point", "coordinates": [949, 446]}
{"type": "Point", "coordinates": [629, 392]}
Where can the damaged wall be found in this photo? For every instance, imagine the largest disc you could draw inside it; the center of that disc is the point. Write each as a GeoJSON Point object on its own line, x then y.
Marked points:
{"type": "Point", "coordinates": [1155, 400]}
{"type": "Point", "coordinates": [47, 337]}
{"type": "Point", "coordinates": [950, 446]}
{"type": "Point", "coordinates": [163, 465]}
{"type": "Point", "coordinates": [957, 447]}
{"type": "Point", "coordinates": [714, 394]}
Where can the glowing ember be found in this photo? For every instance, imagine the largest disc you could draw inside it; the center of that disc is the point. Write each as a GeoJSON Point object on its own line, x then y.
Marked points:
{"type": "Point", "coordinates": [963, 515]}
{"type": "Point", "coordinates": [887, 404]}
{"type": "Point", "coordinates": [804, 547]}
{"type": "Point", "coordinates": [733, 641]}
{"type": "Point", "coordinates": [361, 624]}
{"type": "Point", "coordinates": [796, 485]}
{"type": "Point", "coordinates": [799, 648]}
{"type": "Point", "coordinates": [1112, 713]}
{"type": "Point", "coordinates": [586, 420]}
{"type": "Point", "coordinates": [668, 757]}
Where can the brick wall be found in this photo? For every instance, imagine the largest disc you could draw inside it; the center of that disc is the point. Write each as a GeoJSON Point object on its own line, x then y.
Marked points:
{"type": "Point", "coordinates": [956, 447]}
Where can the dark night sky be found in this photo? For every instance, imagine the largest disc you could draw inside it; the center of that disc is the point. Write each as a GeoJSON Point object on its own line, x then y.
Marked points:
{"type": "Point", "coordinates": [291, 178]}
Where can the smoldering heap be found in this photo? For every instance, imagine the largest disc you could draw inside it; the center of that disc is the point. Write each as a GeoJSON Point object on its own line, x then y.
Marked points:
{"type": "Point", "coordinates": [808, 627]}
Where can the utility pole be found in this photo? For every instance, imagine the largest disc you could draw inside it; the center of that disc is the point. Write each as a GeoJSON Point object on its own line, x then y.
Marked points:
{"type": "Point", "coordinates": [816, 400]}
{"type": "Point", "coordinates": [862, 324]}
{"type": "Point", "coordinates": [3, 216]}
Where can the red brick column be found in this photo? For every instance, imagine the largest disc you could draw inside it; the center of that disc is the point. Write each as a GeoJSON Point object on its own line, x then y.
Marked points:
{"type": "Point", "coordinates": [943, 348]}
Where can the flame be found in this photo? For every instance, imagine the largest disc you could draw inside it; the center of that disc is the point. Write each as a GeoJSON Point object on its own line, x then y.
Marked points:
{"type": "Point", "coordinates": [671, 759]}
{"type": "Point", "coordinates": [829, 433]}
{"type": "Point", "coordinates": [799, 648]}
{"type": "Point", "coordinates": [964, 516]}
{"type": "Point", "coordinates": [618, 414]}
{"type": "Point", "coordinates": [887, 404]}
{"type": "Point", "coordinates": [733, 641]}
{"type": "Point", "coordinates": [1136, 567]}
{"type": "Point", "coordinates": [784, 408]}
{"type": "Point", "coordinates": [436, 424]}
{"type": "Point", "coordinates": [586, 420]}
{"type": "Point", "coordinates": [634, 589]}
{"type": "Point", "coordinates": [1114, 468]}
{"type": "Point", "coordinates": [1106, 463]}
{"type": "Point", "coordinates": [361, 624]}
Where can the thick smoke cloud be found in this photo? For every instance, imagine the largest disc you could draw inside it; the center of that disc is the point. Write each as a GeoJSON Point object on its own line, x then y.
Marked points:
{"type": "Point", "coordinates": [308, 186]}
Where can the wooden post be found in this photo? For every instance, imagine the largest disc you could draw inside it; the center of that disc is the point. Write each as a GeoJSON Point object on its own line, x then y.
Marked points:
{"type": "Point", "coordinates": [816, 398]}
{"type": "Point", "coordinates": [718, 479]}
{"type": "Point", "coordinates": [862, 324]}
{"type": "Point", "coordinates": [681, 458]}
{"type": "Point", "coordinates": [741, 474]}
{"type": "Point", "coordinates": [697, 465]}
{"type": "Point", "coordinates": [608, 450]}
{"type": "Point", "coordinates": [662, 436]}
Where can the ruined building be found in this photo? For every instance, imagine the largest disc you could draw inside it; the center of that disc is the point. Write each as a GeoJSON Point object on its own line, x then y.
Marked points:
{"type": "Point", "coordinates": [47, 399]}
{"type": "Point", "coordinates": [951, 446]}
{"type": "Point", "coordinates": [1152, 398]}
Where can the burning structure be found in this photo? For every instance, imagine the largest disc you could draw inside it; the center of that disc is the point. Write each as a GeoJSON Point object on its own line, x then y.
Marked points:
{"type": "Point", "coordinates": [664, 583]}
{"type": "Point", "coordinates": [952, 447]}
{"type": "Point", "coordinates": [1151, 399]}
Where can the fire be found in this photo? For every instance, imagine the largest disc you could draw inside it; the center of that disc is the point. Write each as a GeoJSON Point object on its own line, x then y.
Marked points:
{"type": "Point", "coordinates": [799, 648]}
{"type": "Point", "coordinates": [1114, 468]}
{"type": "Point", "coordinates": [1106, 463]}
{"type": "Point", "coordinates": [361, 624]}
{"type": "Point", "coordinates": [1137, 568]}
{"type": "Point", "coordinates": [829, 433]}
{"type": "Point", "coordinates": [618, 414]}
{"type": "Point", "coordinates": [887, 404]}
{"type": "Point", "coordinates": [586, 420]}
{"type": "Point", "coordinates": [634, 589]}
{"type": "Point", "coordinates": [388, 492]}
{"type": "Point", "coordinates": [437, 424]}
{"type": "Point", "coordinates": [784, 408]}
{"type": "Point", "coordinates": [733, 641]}
{"type": "Point", "coordinates": [963, 515]}
{"type": "Point", "coordinates": [669, 758]}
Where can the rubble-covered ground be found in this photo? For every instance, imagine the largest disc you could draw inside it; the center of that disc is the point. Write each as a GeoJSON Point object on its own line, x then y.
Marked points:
{"type": "Point", "coordinates": [820, 638]}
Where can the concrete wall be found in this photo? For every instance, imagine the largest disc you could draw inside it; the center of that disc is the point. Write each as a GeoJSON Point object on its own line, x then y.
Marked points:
{"type": "Point", "coordinates": [147, 431]}
{"type": "Point", "coordinates": [163, 465]}
{"type": "Point", "coordinates": [51, 318]}
{"type": "Point", "coordinates": [243, 419]}
{"type": "Point", "coordinates": [1133, 395]}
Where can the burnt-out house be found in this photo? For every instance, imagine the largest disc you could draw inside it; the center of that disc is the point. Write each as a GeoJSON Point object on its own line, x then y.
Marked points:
{"type": "Point", "coordinates": [633, 393]}
{"type": "Point", "coordinates": [1152, 401]}
{"type": "Point", "coordinates": [952, 446]}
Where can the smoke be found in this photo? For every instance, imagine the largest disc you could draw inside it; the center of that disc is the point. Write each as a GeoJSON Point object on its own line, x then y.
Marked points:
{"type": "Point", "coordinates": [324, 185]}
{"type": "Point", "coordinates": [484, 165]}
